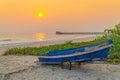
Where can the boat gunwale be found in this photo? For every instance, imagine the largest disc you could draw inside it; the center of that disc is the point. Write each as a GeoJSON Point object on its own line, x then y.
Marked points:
{"type": "Point", "coordinates": [76, 54]}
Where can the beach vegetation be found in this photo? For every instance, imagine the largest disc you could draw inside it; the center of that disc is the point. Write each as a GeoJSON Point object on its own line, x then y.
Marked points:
{"type": "Point", "coordinates": [45, 49]}
{"type": "Point", "coordinates": [114, 53]}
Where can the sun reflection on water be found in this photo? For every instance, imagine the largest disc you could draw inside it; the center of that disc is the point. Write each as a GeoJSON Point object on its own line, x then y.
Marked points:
{"type": "Point", "coordinates": [40, 36]}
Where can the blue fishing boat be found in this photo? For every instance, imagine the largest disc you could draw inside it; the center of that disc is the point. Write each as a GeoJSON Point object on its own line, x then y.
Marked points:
{"type": "Point", "coordinates": [81, 54]}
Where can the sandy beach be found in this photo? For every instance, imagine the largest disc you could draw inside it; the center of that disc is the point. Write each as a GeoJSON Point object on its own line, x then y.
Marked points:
{"type": "Point", "coordinates": [28, 68]}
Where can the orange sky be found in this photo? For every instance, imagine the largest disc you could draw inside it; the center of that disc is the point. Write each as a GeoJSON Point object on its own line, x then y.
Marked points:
{"type": "Point", "coordinates": [20, 16]}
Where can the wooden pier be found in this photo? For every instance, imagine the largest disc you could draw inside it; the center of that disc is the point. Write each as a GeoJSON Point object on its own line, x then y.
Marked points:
{"type": "Point", "coordinates": [78, 33]}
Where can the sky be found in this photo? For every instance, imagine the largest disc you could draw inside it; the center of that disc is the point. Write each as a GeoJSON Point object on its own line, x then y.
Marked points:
{"type": "Point", "coordinates": [22, 16]}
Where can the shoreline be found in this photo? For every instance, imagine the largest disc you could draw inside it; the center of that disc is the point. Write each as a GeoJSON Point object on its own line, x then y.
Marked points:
{"type": "Point", "coordinates": [48, 41]}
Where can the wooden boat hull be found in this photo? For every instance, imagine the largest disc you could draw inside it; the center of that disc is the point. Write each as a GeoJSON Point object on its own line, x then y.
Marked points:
{"type": "Point", "coordinates": [100, 53]}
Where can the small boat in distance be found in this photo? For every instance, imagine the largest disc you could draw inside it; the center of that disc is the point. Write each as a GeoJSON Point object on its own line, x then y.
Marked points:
{"type": "Point", "coordinates": [81, 54]}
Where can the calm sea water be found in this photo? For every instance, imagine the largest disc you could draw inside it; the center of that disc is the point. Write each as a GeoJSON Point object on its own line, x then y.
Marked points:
{"type": "Point", "coordinates": [10, 39]}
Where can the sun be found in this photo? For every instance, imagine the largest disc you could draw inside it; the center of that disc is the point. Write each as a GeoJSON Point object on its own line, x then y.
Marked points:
{"type": "Point", "coordinates": [40, 15]}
